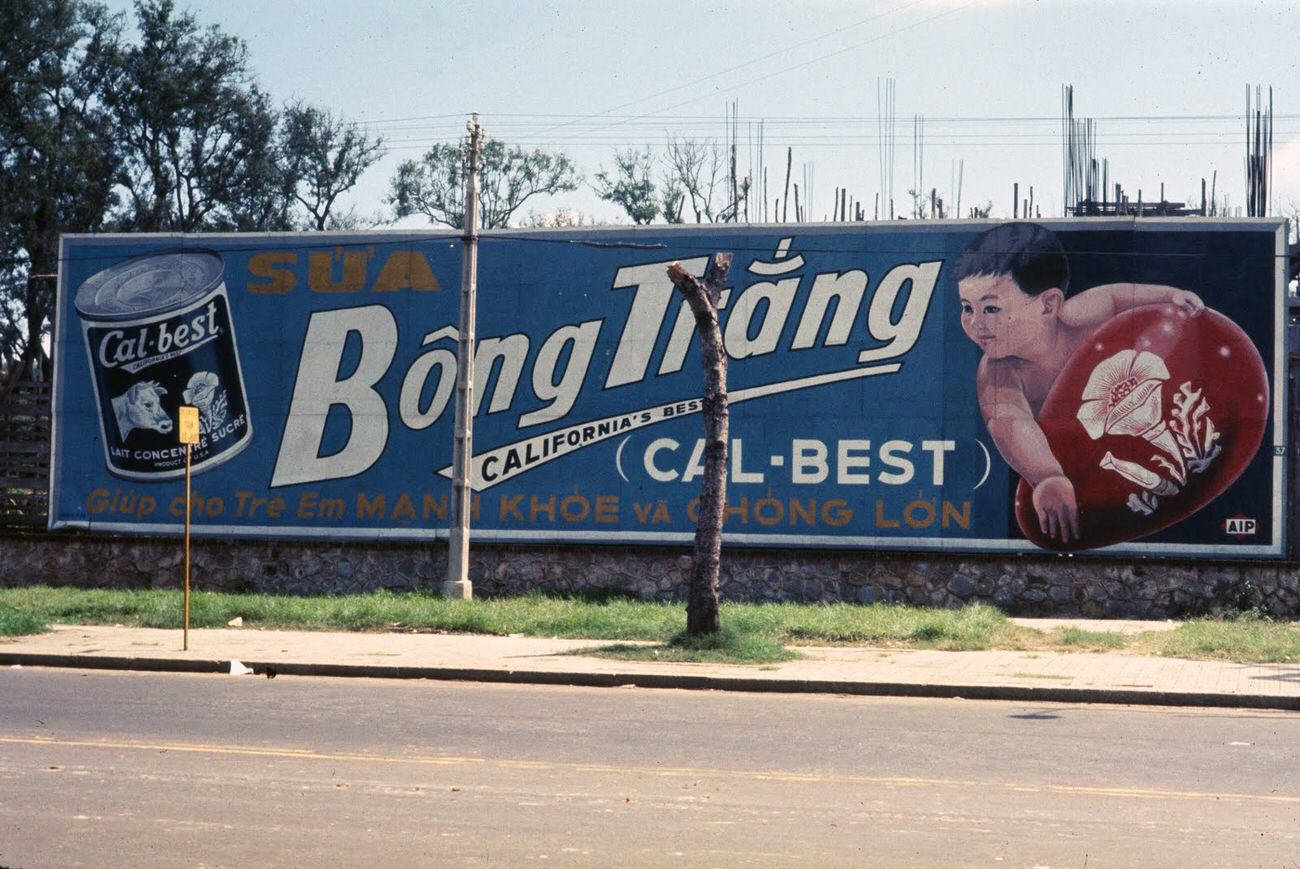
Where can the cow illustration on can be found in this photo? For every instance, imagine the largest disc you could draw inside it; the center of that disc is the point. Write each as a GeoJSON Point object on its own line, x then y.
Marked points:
{"type": "Point", "coordinates": [158, 335]}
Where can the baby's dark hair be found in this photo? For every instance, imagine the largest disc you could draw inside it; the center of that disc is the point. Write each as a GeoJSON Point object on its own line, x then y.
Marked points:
{"type": "Point", "coordinates": [1032, 255]}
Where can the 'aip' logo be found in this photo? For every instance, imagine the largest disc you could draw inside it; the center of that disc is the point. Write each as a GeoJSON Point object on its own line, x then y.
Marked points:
{"type": "Point", "coordinates": [1240, 527]}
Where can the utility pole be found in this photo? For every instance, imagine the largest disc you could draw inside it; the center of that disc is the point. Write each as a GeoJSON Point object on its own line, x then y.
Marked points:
{"type": "Point", "coordinates": [457, 584]}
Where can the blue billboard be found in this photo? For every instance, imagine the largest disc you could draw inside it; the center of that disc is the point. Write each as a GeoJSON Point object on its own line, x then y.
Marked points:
{"type": "Point", "coordinates": [959, 386]}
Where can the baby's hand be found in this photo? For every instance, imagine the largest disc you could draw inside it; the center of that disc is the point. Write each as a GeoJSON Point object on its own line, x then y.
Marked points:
{"type": "Point", "coordinates": [1187, 302]}
{"type": "Point", "coordinates": [1057, 509]}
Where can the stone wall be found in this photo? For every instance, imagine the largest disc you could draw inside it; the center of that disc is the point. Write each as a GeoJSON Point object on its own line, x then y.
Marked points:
{"type": "Point", "coordinates": [1034, 585]}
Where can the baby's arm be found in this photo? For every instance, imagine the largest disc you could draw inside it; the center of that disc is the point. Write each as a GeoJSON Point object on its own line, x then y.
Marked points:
{"type": "Point", "coordinates": [1097, 305]}
{"type": "Point", "coordinates": [1023, 445]}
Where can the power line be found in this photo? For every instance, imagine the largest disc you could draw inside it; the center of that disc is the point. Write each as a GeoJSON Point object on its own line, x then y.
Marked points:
{"type": "Point", "coordinates": [766, 58]}
{"type": "Point", "coordinates": [782, 131]}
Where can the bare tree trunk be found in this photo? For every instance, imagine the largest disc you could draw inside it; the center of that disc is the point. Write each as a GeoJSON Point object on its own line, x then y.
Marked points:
{"type": "Point", "coordinates": [702, 603]}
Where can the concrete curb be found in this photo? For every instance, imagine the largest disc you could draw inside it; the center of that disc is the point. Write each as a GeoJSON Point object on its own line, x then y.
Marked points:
{"type": "Point", "coordinates": [682, 681]}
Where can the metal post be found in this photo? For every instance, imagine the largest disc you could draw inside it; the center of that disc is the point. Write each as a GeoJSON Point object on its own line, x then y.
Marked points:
{"type": "Point", "coordinates": [187, 430]}
{"type": "Point", "coordinates": [185, 643]}
{"type": "Point", "coordinates": [457, 584]}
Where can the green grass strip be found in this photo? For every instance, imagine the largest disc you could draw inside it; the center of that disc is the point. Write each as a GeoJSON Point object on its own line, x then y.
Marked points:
{"type": "Point", "coordinates": [753, 632]}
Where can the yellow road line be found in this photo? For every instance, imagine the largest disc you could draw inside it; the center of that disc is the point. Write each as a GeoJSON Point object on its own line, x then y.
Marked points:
{"type": "Point", "coordinates": [658, 771]}
{"type": "Point", "coordinates": [246, 750]}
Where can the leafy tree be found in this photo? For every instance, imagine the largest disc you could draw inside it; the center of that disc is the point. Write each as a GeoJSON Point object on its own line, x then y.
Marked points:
{"type": "Point", "coordinates": [508, 177]}
{"type": "Point", "coordinates": [629, 185]}
{"type": "Point", "coordinates": [57, 154]}
{"type": "Point", "coordinates": [672, 199]}
{"type": "Point", "coordinates": [169, 132]}
{"type": "Point", "coordinates": [322, 157]}
{"type": "Point", "coordinates": [352, 220]}
{"type": "Point", "coordinates": [196, 130]}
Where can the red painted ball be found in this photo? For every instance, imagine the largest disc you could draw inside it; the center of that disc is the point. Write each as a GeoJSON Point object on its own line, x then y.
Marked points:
{"type": "Point", "coordinates": [1152, 419]}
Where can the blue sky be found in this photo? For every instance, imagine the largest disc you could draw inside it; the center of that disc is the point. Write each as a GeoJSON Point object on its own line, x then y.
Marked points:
{"type": "Point", "coordinates": [1166, 83]}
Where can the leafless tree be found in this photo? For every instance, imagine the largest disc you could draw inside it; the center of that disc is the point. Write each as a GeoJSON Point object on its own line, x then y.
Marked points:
{"type": "Point", "coordinates": [702, 602]}
{"type": "Point", "coordinates": [698, 169]}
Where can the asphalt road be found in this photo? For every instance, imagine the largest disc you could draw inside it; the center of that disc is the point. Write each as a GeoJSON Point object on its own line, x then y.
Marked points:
{"type": "Point", "coordinates": [125, 769]}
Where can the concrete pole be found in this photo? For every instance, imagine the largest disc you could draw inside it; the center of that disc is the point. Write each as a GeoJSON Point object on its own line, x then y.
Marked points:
{"type": "Point", "coordinates": [457, 584]}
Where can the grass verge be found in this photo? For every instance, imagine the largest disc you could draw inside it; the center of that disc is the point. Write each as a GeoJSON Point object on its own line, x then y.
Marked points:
{"type": "Point", "coordinates": [17, 623]}
{"type": "Point", "coordinates": [753, 633]}
{"type": "Point", "coordinates": [1246, 640]}
{"type": "Point", "coordinates": [729, 646]}
{"type": "Point", "coordinates": [1080, 640]}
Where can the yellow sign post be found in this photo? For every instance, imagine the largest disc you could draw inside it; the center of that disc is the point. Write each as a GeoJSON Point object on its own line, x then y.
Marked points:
{"type": "Point", "coordinates": [188, 429]}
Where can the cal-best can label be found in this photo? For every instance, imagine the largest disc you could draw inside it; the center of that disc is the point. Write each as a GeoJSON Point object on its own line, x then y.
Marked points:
{"type": "Point", "coordinates": [159, 335]}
